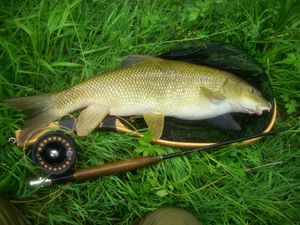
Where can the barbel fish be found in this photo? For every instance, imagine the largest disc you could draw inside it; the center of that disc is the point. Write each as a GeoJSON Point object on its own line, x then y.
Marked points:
{"type": "Point", "coordinates": [146, 86]}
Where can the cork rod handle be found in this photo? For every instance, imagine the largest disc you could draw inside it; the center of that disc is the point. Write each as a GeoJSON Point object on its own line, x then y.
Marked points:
{"type": "Point", "coordinates": [115, 167]}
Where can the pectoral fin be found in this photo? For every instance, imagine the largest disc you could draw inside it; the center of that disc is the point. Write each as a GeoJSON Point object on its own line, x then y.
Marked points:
{"type": "Point", "coordinates": [212, 96]}
{"type": "Point", "coordinates": [89, 119]}
{"type": "Point", "coordinates": [155, 122]}
{"type": "Point", "coordinates": [225, 122]}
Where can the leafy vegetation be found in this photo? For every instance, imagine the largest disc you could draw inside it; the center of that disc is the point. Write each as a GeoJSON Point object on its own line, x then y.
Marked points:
{"type": "Point", "coordinates": [46, 46]}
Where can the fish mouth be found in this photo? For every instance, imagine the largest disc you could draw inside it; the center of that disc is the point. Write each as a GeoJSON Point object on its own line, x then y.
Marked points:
{"type": "Point", "coordinates": [258, 110]}
{"type": "Point", "coordinates": [253, 111]}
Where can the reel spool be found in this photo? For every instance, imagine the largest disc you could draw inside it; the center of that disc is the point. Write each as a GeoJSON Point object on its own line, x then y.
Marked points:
{"type": "Point", "coordinates": [54, 153]}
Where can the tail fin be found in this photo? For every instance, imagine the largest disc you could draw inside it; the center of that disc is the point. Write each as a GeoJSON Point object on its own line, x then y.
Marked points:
{"type": "Point", "coordinates": [39, 111]}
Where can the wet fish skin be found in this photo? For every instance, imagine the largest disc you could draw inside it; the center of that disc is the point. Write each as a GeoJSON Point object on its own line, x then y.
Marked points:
{"type": "Point", "coordinates": [161, 85]}
{"type": "Point", "coordinates": [145, 86]}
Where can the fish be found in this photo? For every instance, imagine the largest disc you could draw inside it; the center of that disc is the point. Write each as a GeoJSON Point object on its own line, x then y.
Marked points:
{"type": "Point", "coordinates": [147, 86]}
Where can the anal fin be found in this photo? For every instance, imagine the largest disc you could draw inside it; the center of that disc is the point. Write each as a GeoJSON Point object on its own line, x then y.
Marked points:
{"type": "Point", "coordinates": [90, 118]}
{"type": "Point", "coordinates": [155, 122]}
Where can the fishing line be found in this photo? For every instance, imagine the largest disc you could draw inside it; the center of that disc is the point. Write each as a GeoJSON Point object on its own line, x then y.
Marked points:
{"type": "Point", "coordinates": [129, 124]}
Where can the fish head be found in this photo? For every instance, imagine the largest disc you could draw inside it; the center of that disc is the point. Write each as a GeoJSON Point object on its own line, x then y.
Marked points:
{"type": "Point", "coordinates": [245, 98]}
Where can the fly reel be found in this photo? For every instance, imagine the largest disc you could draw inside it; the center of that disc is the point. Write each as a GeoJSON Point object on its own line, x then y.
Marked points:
{"type": "Point", "coordinates": [54, 153]}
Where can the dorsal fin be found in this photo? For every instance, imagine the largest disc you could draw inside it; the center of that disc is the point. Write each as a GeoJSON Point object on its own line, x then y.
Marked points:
{"type": "Point", "coordinates": [133, 60]}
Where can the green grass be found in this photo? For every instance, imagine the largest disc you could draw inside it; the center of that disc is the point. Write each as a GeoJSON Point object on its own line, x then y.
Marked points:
{"type": "Point", "coordinates": [46, 46]}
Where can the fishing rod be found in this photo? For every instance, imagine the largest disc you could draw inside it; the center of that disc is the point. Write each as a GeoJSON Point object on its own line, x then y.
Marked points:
{"type": "Point", "coordinates": [133, 163]}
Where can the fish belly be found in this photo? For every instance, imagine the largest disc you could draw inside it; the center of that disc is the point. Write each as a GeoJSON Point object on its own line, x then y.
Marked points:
{"type": "Point", "coordinates": [191, 109]}
{"type": "Point", "coordinates": [198, 112]}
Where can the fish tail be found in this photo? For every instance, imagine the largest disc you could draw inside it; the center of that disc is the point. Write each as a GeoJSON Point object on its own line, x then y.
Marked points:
{"type": "Point", "coordinates": [39, 110]}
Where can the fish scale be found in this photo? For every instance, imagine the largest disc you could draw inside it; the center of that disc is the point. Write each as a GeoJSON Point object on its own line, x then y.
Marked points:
{"type": "Point", "coordinates": [150, 87]}
{"type": "Point", "coordinates": [144, 83]}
